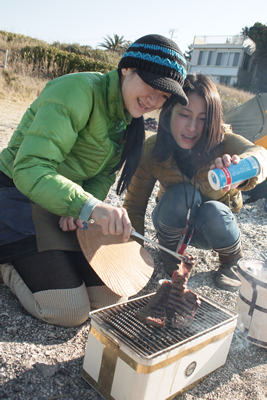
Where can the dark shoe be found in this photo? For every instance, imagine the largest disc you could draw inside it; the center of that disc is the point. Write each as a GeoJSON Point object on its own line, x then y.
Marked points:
{"type": "Point", "coordinates": [226, 277]}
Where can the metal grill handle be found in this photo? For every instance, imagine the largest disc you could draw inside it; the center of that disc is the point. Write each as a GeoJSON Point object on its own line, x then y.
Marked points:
{"type": "Point", "coordinates": [173, 253]}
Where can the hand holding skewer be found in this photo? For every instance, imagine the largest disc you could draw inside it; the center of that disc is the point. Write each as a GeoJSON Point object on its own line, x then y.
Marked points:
{"type": "Point", "coordinates": [179, 257]}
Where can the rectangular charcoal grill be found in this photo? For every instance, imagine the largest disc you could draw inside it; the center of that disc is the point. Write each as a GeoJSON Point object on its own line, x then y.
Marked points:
{"type": "Point", "coordinates": [150, 341]}
{"type": "Point", "coordinates": [126, 359]}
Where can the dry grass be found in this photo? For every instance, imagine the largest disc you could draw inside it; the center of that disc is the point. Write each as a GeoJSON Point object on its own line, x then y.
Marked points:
{"type": "Point", "coordinates": [10, 41]}
{"type": "Point", "coordinates": [19, 83]}
{"type": "Point", "coordinates": [22, 86]}
{"type": "Point", "coordinates": [19, 87]}
{"type": "Point", "coordinates": [232, 97]}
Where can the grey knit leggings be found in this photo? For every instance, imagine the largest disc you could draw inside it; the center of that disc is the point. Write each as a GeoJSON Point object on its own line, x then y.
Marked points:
{"type": "Point", "coordinates": [58, 287]}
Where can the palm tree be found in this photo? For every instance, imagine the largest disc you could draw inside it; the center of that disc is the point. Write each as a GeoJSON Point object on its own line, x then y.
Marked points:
{"type": "Point", "coordinates": [116, 43]}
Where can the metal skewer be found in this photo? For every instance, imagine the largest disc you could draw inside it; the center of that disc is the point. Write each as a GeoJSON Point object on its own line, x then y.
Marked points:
{"type": "Point", "coordinates": [173, 253]}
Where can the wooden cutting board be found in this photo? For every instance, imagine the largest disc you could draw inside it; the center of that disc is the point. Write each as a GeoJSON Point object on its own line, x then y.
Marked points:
{"type": "Point", "coordinates": [125, 267]}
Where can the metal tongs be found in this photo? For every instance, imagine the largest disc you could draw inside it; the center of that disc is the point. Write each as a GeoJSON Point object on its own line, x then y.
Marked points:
{"type": "Point", "coordinates": [180, 257]}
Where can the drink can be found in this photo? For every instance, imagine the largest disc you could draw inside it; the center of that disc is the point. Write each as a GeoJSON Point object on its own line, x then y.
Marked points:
{"type": "Point", "coordinates": [245, 169]}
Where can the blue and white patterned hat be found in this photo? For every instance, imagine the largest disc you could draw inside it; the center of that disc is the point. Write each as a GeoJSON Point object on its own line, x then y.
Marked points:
{"type": "Point", "coordinates": [159, 63]}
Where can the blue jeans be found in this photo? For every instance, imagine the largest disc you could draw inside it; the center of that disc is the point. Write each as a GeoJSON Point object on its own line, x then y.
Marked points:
{"type": "Point", "coordinates": [215, 226]}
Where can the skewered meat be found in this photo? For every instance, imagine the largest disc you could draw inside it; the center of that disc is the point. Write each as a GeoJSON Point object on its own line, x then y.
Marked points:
{"type": "Point", "coordinates": [155, 311]}
{"type": "Point", "coordinates": [172, 301]}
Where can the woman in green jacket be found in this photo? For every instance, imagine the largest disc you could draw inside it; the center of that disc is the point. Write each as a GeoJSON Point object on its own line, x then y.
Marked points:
{"type": "Point", "coordinates": [58, 168]}
{"type": "Point", "coordinates": [191, 140]}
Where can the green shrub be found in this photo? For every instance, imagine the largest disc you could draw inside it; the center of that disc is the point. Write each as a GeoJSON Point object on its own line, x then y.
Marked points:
{"type": "Point", "coordinates": [53, 62]}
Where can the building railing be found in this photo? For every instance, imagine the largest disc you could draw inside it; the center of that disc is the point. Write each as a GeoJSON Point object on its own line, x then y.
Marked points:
{"type": "Point", "coordinates": [234, 40]}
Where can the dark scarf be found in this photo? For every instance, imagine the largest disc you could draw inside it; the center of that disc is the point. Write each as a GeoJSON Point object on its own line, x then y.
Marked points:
{"type": "Point", "coordinates": [189, 161]}
{"type": "Point", "coordinates": [184, 161]}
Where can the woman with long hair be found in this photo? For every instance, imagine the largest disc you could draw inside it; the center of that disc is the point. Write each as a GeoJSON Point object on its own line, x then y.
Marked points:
{"type": "Point", "coordinates": [58, 167]}
{"type": "Point", "coordinates": [191, 140]}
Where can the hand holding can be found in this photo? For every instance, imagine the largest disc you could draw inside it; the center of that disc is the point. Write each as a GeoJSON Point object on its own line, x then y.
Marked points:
{"type": "Point", "coordinates": [247, 168]}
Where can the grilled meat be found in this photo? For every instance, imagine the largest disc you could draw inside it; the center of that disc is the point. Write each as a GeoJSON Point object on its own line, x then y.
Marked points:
{"type": "Point", "coordinates": [173, 301]}
{"type": "Point", "coordinates": [154, 312]}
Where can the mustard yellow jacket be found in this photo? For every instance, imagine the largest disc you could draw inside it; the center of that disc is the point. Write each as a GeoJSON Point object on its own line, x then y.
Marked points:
{"type": "Point", "coordinates": [167, 174]}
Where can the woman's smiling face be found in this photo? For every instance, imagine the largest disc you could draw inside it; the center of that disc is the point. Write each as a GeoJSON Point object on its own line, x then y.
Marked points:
{"type": "Point", "coordinates": [140, 98]}
{"type": "Point", "coordinates": [187, 122]}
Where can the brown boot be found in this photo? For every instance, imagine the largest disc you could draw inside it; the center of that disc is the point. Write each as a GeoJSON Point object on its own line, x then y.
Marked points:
{"type": "Point", "coordinates": [170, 263]}
{"type": "Point", "coordinates": [226, 276]}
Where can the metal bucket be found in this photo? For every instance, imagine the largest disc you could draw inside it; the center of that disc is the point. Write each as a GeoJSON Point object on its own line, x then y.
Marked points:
{"type": "Point", "coordinates": [252, 301]}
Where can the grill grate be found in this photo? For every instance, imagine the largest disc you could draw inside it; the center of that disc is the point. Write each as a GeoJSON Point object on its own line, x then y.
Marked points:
{"type": "Point", "coordinates": [148, 340]}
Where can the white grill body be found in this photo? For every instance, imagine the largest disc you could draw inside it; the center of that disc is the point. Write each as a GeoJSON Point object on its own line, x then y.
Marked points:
{"type": "Point", "coordinates": [117, 372]}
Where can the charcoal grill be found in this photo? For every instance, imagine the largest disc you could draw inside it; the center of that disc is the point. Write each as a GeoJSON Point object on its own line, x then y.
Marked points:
{"type": "Point", "coordinates": [126, 359]}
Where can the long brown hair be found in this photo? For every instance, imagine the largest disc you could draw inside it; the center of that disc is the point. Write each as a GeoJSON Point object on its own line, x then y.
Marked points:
{"type": "Point", "coordinates": [212, 131]}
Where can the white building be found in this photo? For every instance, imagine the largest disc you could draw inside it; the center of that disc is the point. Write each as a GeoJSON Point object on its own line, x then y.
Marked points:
{"type": "Point", "coordinates": [221, 57]}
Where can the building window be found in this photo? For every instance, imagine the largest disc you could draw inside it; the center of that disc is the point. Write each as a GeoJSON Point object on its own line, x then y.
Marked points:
{"type": "Point", "coordinates": [230, 59]}
{"type": "Point", "coordinates": [236, 59]}
{"type": "Point", "coordinates": [202, 58]}
{"type": "Point", "coordinates": [222, 58]}
{"type": "Point", "coordinates": [219, 59]}
{"type": "Point", "coordinates": [211, 58]}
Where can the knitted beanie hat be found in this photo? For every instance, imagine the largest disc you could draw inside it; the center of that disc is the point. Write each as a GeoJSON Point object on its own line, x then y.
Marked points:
{"type": "Point", "coordinates": [159, 63]}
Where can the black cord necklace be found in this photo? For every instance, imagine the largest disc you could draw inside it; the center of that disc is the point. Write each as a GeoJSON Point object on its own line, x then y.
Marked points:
{"type": "Point", "coordinates": [189, 226]}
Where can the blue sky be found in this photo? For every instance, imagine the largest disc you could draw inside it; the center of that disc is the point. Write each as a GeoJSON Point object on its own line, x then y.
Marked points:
{"type": "Point", "coordinates": [87, 22]}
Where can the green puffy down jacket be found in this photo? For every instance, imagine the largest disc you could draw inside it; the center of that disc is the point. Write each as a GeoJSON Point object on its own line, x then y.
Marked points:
{"type": "Point", "coordinates": [68, 142]}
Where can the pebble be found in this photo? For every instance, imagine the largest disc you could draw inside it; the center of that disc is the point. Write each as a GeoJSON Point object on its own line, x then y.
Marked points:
{"type": "Point", "coordinates": [47, 371]}
{"type": "Point", "coordinates": [40, 361]}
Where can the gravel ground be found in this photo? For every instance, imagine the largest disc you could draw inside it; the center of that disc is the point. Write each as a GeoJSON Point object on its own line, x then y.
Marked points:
{"type": "Point", "coordinates": [41, 361]}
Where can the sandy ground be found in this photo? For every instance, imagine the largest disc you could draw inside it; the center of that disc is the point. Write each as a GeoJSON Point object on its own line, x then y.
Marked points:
{"type": "Point", "coordinates": [10, 114]}
{"type": "Point", "coordinates": [40, 361]}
